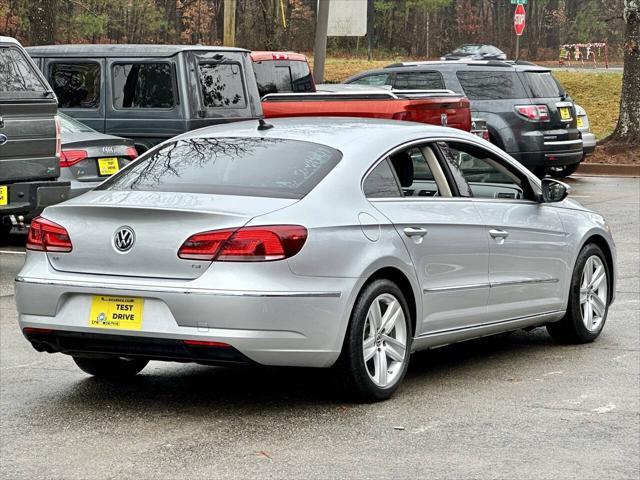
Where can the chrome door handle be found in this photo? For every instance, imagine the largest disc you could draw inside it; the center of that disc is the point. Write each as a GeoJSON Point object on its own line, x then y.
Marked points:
{"type": "Point", "coordinates": [415, 232]}
{"type": "Point", "coordinates": [495, 233]}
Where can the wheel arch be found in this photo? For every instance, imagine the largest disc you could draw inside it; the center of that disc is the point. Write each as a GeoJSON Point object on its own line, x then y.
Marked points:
{"type": "Point", "coordinates": [602, 242]}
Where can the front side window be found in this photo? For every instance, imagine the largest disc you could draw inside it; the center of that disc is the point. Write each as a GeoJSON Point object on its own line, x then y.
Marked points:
{"type": "Point", "coordinates": [419, 80]}
{"type": "Point", "coordinates": [257, 167]}
{"type": "Point", "coordinates": [77, 85]}
{"type": "Point", "coordinates": [16, 74]}
{"type": "Point", "coordinates": [495, 85]}
{"type": "Point", "coordinates": [479, 174]}
{"type": "Point", "coordinates": [376, 80]}
{"type": "Point", "coordinates": [221, 85]}
{"type": "Point", "coordinates": [142, 85]}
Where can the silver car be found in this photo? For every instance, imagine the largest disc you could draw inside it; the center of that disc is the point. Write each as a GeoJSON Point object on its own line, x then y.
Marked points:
{"type": "Point", "coordinates": [333, 242]}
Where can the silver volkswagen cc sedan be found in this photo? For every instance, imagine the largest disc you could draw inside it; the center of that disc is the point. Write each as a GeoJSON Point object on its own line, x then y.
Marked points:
{"type": "Point", "coordinates": [318, 242]}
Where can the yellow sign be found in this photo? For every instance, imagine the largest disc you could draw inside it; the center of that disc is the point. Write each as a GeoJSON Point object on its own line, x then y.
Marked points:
{"type": "Point", "coordinates": [565, 114]}
{"type": "Point", "coordinates": [4, 195]}
{"type": "Point", "coordinates": [108, 166]}
{"type": "Point", "coordinates": [123, 313]}
{"type": "Point", "coordinates": [580, 122]}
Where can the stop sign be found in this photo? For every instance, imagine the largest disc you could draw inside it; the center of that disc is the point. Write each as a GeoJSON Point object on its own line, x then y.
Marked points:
{"type": "Point", "coordinates": [518, 19]}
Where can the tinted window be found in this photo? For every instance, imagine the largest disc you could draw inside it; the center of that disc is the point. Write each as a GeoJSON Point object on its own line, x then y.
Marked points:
{"type": "Point", "coordinates": [419, 80]}
{"type": "Point", "coordinates": [381, 182]}
{"type": "Point", "coordinates": [77, 85]}
{"type": "Point", "coordinates": [283, 77]}
{"type": "Point", "coordinates": [71, 125]}
{"type": "Point", "coordinates": [491, 85]}
{"type": "Point", "coordinates": [230, 166]}
{"type": "Point", "coordinates": [377, 79]}
{"type": "Point", "coordinates": [221, 85]}
{"type": "Point", "coordinates": [16, 74]}
{"type": "Point", "coordinates": [142, 85]}
{"type": "Point", "coordinates": [542, 84]}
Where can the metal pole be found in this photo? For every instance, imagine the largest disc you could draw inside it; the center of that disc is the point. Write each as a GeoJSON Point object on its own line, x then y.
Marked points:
{"type": "Point", "coordinates": [517, 47]}
{"type": "Point", "coordinates": [229, 37]}
{"type": "Point", "coordinates": [320, 47]}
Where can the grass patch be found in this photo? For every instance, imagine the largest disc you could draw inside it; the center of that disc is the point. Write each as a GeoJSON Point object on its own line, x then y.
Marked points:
{"type": "Point", "coordinates": [597, 93]}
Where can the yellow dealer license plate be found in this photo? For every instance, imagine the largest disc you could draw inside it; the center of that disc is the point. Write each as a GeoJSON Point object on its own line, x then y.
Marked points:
{"type": "Point", "coordinates": [122, 313]}
{"type": "Point", "coordinates": [580, 122]}
{"type": "Point", "coordinates": [108, 166]}
{"type": "Point", "coordinates": [4, 195]}
{"type": "Point", "coordinates": [565, 113]}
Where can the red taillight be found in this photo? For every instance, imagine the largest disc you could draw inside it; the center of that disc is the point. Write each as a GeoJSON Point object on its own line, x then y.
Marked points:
{"type": "Point", "coordinates": [58, 138]}
{"type": "Point", "coordinates": [485, 135]}
{"type": "Point", "coordinates": [71, 157]}
{"type": "Point", "coordinates": [30, 330]}
{"type": "Point", "coordinates": [248, 244]}
{"type": "Point", "coordinates": [537, 113]}
{"type": "Point", "coordinates": [132, 153]}
{"type": "Point", "coordinates": [206, 343]}
{"type": "Point", "coordinates": [46, 236]}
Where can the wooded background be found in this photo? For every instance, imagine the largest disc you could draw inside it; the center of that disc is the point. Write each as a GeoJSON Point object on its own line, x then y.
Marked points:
{"type": "Point", "coordinates": [414, 28]}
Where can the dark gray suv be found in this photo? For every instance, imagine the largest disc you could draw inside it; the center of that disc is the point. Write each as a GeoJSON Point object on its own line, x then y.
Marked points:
{"type": "Point", "coordinates": [528, 113]}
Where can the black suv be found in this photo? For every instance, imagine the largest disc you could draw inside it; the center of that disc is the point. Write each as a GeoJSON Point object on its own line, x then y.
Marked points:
{"type": "Point", "coordinates": [528, 113]}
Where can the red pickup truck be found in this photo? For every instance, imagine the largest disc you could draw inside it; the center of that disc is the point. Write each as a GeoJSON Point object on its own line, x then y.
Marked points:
{"type": "Point", "coordinates": [287, 90]}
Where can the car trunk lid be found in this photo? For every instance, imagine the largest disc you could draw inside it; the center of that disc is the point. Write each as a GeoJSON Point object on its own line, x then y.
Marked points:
{"type": "Point", "coordinates": [105, 154]}
{"type": "Point", "coordinates": [160, 222]}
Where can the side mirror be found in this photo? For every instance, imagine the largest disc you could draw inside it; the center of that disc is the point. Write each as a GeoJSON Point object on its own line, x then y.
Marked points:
{"type": "Point", "coordinates": [554, 191]}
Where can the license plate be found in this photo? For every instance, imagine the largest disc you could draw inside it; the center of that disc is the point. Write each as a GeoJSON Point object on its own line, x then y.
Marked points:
{"type": "Point", "coordinates": [108, 166]}
{"type": "Point", "coordinates": [4, 195]}
{"type": "Point", "coordinates": [580, 122]}
{"type": "Point", "coordinates": [120, 313]}
{"type": "Point", "coordinates": [565, 113]}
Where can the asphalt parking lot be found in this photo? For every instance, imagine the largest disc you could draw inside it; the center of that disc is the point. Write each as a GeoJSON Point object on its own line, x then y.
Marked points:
{"type": "Point", "coordinates": [511, 406]}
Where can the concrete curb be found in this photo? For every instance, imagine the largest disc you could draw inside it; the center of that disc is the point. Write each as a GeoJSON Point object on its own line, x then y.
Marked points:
{"type": "Point", "coordinates": [609, 170]}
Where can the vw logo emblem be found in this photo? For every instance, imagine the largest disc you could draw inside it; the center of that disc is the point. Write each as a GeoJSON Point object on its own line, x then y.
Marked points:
{"type": "Point", "coordinates": [3, 139]}
{"type": "Point", "coordinates": [123, 239]}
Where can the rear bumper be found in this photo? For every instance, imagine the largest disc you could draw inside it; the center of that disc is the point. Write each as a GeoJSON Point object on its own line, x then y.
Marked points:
{"type": "Point", "coordinates": [30, 198]}
{"type": "Point", "coordinates": [588, 142]}
{"type": "Point", "coordinates": [300, 324]}
{"type": "Point", "coordinates": [548, 158]}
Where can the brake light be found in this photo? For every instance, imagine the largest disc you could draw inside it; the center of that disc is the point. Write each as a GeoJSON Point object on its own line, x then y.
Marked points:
{"type": "Point", "coordinates": [206, 343]}
{"type": "Point", "coordinates": [71, 157]}
{"type": "Point", "coordinates": [46, 236]}
{"type": "Point", "coordinates": [58, 138]}
{"type": "Point", "coordinates": [536, 113]}
{"type": "Point", "coordinates": [248, 244]}
{"type": "Point", "coordinates": [132, 153]}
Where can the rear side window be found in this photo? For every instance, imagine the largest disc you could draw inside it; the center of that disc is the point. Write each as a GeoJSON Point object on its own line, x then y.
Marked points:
{"type": "Point", "coordinates": [381, 182]}
{"type": "Point", "coordinates": [283, 77]}
{"type": "Point", "coordinates": [257, 167]}
{"type": "Point", "coordinates": [16, 74]}
{"type": "Point", "coordinates": [542, 84]}
{"type": "Point", "coordinates": [491, 85]}
{"type": "Point", "coordinates": [142, 85]}
{"type": "Point", "coordinates": [419, 80]}
{"type": "Point", "coordinates": [374, 80]}
{"type": "Point", "coordinates": [221, 85]}
{"type": "Point", "coordinates": [77, 85]}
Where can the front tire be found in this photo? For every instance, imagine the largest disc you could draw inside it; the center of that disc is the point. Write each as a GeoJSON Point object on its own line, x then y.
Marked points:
{"type": "Point", "coordinates": [588, 299]}
{"type": "Point", "coordinates": [115, 368]}
{"type": "Point", "coordinates": [563, 171]}
{"type": "Point", "coordinates": [377, 345]}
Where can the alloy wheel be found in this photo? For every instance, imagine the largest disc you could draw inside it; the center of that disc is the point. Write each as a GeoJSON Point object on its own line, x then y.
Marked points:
{"type": "Point", "coordinates": [593, 293]}
{"type": "Point", "coordinates": [384, 340]}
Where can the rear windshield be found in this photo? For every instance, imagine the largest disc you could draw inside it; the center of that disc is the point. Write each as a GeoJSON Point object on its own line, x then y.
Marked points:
{"type": "Point", "coordinates": [16, 74]}
{"type": "Point", "coordinates": [283, 76]}
{"type": "Point", "coordinates": [258, 167]}
{"type": "Point", "coordinates": [542, 84]}
{"type": "Point", "coordinates": [491, 85]}
{"type": "Point", "coordinates": [71, 125]}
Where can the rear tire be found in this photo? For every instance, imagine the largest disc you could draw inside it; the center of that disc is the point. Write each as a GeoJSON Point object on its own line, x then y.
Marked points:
{"type": "Point", "coordinates": [377, 345]}
{"type": "Point", "coordinates": [588, 299]}
{"type": "Point", "coordinates": [563, 171]}
{"type": "Point", "coordinates": [5, 231]}
{"type": "Point", "coordinates": [115, 368]}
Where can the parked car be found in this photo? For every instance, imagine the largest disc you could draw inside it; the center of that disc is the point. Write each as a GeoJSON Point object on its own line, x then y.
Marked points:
{"type": "Point", "coordinates": [29, 139]}
{"type": "Point", "coordinates": [88, 157]}
{"type": "Point", "coordinates": [282, 72]}
{"type": "Point", "coordinates": [475, 52]}
{"type": "Point", "coordinates": [528, 113]}
{"type": "Point", "coordinates": [150, 93]}
{"type": "Point", "coordinates": [218, 247]}
{"type": "Point", "coordinates": [435, 107]}
{"type": "Point", "coordinates": [588, 144]}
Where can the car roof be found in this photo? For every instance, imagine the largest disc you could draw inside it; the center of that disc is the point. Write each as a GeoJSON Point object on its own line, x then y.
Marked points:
{"type": "Point", "coordinates": [259, 56]}
{"type": "Point", "coordinates": [120, 50]}
{"type": "Point", "coordinates": [9, 40]}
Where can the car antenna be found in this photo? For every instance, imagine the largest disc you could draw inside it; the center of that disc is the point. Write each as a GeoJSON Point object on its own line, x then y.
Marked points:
{"type": "Point", "coordinates": [262, 125]}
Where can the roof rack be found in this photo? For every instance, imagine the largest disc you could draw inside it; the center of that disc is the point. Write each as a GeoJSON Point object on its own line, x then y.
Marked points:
{"type": "Point", "coordinates": [480, 63]}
